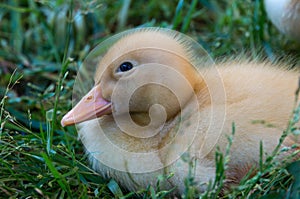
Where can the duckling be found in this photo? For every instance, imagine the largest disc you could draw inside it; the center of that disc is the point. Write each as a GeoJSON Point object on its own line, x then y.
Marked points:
{"type": "Point", "coordinates": [285, 15]}
{"type": "Point", "coordinates": [153, 104]}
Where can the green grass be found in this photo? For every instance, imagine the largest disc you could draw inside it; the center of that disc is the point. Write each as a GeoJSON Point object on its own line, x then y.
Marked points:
{"type": "Point", "coordinates": [42, 44]}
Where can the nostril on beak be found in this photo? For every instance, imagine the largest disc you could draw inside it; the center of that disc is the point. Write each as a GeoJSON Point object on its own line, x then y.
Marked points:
{"type": "Point", "coordinates": [89, 98]}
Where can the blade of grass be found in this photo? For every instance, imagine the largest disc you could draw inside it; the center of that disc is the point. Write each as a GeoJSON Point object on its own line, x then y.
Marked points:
{"type": "Point", "coordinates": [115, 189]}
{"type": "Point", "coordinates": [123, 14]}
{"type": "Point", "coordinates": [16, 28]}
{"type": "Point", "coordinates": [15, 8]}
{"type": "Point", "coordinates": [188, 18]}
{"type": "Point", "coordinates": [58, 177]}
{"type": "Point", "coordinates": [63, 72]}
{"type": "Point", "coordinates": [178, 18]}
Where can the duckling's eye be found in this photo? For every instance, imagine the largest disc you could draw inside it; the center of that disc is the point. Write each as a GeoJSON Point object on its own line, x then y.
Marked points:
{"type": "Point", "coordinates": [125, 66]}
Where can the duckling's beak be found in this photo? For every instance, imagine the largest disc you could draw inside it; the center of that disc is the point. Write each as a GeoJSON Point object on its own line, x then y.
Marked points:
{"type": "Point", "coordinates": [92, 105]}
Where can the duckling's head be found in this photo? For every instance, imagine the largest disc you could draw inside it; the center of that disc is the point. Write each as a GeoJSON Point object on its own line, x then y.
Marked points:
{"type": "Point", "coordinates": [145, 71]}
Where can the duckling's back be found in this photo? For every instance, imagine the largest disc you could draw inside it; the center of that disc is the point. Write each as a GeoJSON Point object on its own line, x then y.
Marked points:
{"type": "Point", "coordinates": [259, 100]}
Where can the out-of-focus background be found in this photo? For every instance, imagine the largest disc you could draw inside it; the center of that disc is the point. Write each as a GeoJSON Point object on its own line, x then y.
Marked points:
{"type": "Point", "coordinates": [43, 43]}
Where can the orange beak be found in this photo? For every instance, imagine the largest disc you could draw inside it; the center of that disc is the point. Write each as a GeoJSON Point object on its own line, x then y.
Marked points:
{"type": "Point", "coordinates": [91, 106]}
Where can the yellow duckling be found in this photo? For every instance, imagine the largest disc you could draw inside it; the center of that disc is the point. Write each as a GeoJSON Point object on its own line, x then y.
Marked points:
{"type": "Point", "coordinates": [152, 102]}
{"type": "Point", "coordinates": [285, 15]}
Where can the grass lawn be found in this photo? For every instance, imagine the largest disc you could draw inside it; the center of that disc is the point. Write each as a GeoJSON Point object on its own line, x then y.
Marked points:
{"type": "Point", "coordinates": [44, 42]}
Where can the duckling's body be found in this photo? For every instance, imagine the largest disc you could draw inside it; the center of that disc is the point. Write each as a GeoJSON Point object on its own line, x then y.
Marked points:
{"type": "Point", "coordinates": [258, 99]}
{"type": "Point", "coordinates": [285, 15]}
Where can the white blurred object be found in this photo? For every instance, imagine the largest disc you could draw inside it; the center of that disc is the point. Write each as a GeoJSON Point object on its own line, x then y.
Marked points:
{"type": "Point", "coordinates": [285, 15]}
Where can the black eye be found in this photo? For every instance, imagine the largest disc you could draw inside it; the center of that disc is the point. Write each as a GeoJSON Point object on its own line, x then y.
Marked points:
{"type": "Point", "coordinates": [125, 66]}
